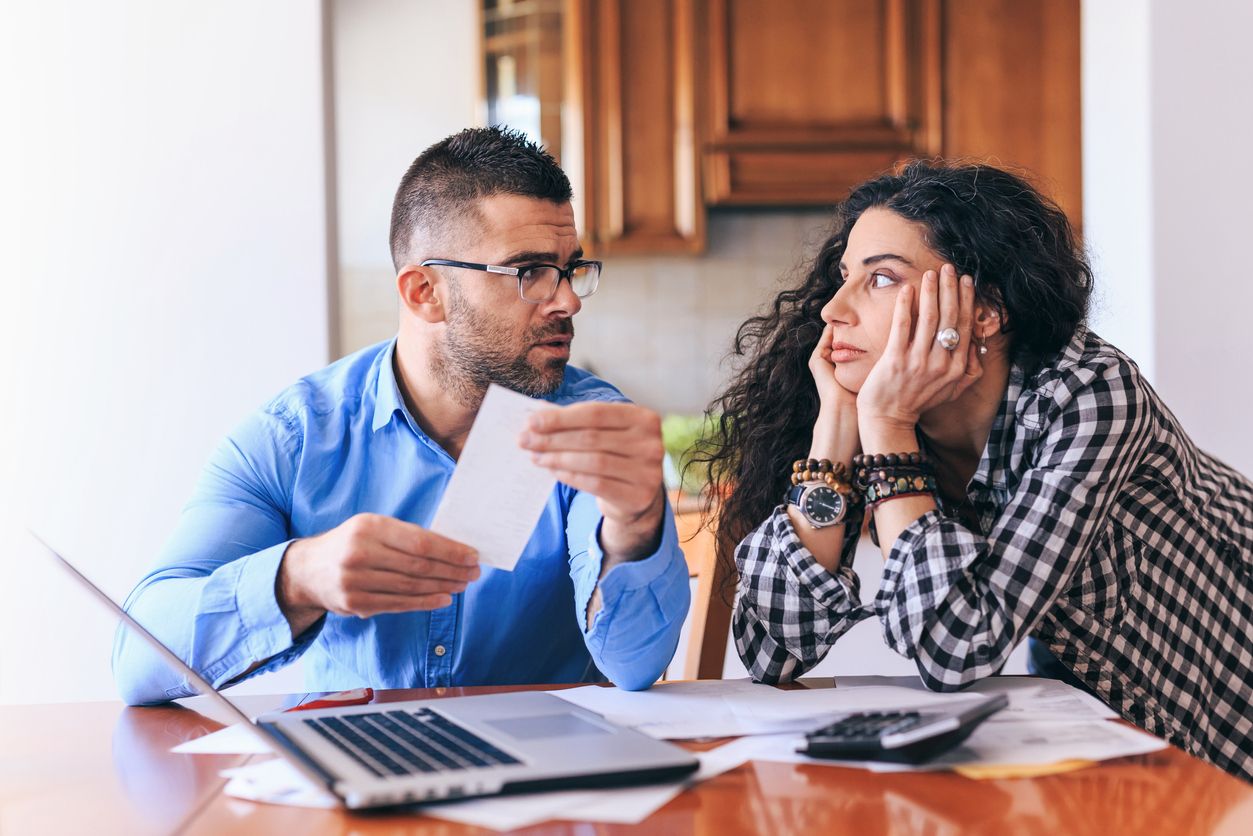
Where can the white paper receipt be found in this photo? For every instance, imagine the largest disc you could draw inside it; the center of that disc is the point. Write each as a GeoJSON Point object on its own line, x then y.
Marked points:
{"type": "Point", "coordinates": [496, 494]}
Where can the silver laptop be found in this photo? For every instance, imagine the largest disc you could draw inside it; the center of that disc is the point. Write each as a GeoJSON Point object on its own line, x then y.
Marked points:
{"type": "Point", "coordinates": [437, 750]}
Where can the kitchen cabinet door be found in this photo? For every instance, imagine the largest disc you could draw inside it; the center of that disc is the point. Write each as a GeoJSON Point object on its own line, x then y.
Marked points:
{"type": "Point", "coordinates": [631, 143]}
{"type": "Point", "coordinates": [809, 97]}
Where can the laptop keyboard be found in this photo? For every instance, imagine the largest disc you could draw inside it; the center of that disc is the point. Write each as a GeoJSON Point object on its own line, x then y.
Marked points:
{"type": "Point", "coordinates": [391, 743]}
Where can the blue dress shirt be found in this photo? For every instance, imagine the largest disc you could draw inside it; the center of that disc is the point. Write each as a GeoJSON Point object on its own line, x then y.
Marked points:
{"type": "Point", "coordinates": [341, 442]}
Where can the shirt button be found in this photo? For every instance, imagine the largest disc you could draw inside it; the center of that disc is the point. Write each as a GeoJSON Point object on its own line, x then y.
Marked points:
{"type": "Point", "coordinates": [440, 650]}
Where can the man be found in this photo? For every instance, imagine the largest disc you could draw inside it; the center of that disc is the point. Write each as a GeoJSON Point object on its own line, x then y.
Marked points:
{"type": "Point", "coordinates": [305, 537]}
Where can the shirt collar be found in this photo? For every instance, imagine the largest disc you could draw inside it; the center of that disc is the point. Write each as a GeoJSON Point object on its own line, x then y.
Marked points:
{"type": "Point", "coordinates": [387, 399]}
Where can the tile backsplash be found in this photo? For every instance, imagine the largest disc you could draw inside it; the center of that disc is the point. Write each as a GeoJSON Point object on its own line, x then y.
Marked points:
{"type": "Point", "coordinates": [660, 328]}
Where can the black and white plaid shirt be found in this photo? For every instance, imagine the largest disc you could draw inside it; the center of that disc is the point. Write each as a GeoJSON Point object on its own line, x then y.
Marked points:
{"type": "Point", "coordinates": [1102, 531]}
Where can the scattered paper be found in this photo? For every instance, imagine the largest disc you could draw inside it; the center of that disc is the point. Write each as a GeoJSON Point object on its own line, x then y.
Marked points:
{"type": "Point", "coordinates": [728, 708]}
{"type": "Point", "coordinates": [690, 710]}
{"type": "Point", "coordinates": [277, 782]}
{"type": "Point", "coordinates": [231, 740]}
{"type": "Point", "coordinates": [494, 475]}
{"type": "Point", "coordinates": [1017, 744]}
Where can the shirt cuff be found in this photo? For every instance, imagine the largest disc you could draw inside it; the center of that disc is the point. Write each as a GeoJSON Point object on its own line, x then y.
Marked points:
{"type": "Point", "coordinates": [632, 574]}
{"type": "Point", "coordinates": [839, 591]}
{"type": "Point", "coordinates": [267, 632]}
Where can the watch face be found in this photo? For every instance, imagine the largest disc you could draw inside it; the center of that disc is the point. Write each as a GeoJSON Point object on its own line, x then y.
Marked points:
{"type": "Point", "coordinates": [822, 505]}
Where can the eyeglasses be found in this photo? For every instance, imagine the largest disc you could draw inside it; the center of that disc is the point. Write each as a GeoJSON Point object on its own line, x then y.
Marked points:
{"type": "Point", "coordinates": [537, 283]}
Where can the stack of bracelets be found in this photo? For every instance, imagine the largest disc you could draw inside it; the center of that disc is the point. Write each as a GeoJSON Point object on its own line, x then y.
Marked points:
{"type": "Point", "coordinates": [882, 477]}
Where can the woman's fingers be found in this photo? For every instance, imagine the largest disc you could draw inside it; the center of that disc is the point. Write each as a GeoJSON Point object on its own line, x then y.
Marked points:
{"type": "Point", "coordinates": [928, 317]}
{"type": "Point", "coordinates": [902, 319]}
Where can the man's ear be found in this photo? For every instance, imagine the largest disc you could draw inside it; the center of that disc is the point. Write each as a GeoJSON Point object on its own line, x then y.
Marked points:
{"type": "Point", "coordinates": [421, 290]}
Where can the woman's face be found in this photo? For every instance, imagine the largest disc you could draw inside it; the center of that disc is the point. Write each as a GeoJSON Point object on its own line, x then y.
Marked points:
{"type": "Point", "coordinates": [884, 253]}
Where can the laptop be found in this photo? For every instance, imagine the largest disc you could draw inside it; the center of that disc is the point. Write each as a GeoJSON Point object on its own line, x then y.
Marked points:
{"type": "Point", "coordinates": [418, 751]}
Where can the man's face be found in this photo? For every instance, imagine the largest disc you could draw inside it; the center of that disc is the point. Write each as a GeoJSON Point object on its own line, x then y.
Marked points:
{"type": "Point", "coordinates": [491, 334]}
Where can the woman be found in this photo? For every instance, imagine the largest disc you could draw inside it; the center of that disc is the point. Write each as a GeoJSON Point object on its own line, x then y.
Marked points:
{"type": "Point", "coordinates": [1022, 477]}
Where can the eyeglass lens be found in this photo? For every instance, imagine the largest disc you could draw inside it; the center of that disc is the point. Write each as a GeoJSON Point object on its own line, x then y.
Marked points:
{"type": "Point", "coordinates": [539, 284]}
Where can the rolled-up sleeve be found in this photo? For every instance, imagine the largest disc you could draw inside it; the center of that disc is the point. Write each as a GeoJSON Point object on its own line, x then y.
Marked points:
{"type": "Point", "coordinates": [633, 636]}
{"type": "Point", "coordinates": [789, 610]}
{"type": "Point", "coordinates": [958, 602]}
{"type": "Point", "coordinates": [211, 597]}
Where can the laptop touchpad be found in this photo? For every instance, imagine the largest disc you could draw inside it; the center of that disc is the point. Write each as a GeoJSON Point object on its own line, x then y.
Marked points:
{"type": "Point", "coordinates": [546, 725]}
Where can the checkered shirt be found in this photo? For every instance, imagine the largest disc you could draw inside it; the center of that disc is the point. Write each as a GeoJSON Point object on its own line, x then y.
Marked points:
{"type": "Point", "coordinates": [1103, 532]}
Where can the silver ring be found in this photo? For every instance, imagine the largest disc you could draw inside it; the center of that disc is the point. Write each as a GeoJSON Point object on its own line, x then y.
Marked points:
{"type": "Point", "coordinates": [948, 338]}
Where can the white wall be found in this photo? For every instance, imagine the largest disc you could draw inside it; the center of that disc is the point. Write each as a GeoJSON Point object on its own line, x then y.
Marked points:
{"type": "Point", "coordinates": [1167, 179]}
{"type": "Point", "coordinates": [406, 74]}
{"type": "Point", "coordinates": [164, 273]}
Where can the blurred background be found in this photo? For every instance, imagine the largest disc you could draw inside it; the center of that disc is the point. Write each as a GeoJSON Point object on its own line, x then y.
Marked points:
{"type": "Point", "coordinates": [195, 202]}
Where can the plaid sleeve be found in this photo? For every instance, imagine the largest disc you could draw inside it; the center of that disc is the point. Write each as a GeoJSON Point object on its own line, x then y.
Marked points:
{"type": "Point", "coordinates": [958, 602]}
{"type": "Point", "coordinates": [789, 610]}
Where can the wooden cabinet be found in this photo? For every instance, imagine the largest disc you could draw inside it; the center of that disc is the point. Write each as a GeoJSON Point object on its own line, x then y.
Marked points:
{"type": "Point", "coordinates": [631, 98]}
{"type": "Point", "coordinates": [672, 106]}
{"type": "Point", "coordinates": [808, 97]}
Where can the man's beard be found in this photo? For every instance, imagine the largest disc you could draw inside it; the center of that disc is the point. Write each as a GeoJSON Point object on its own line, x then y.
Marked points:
{"type": "Point", "coordinates": [472, 356]}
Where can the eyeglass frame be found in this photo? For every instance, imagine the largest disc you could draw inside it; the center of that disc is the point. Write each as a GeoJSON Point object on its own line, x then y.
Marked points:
{"type": "Point", "coordinates": [566, 273]}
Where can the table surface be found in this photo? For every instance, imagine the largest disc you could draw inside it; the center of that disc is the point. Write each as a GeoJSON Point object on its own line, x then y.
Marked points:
{"type": "Point", "coordinates": [104, 768]}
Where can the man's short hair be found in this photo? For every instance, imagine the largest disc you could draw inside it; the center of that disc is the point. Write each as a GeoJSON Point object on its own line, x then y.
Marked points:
{"type": "Point", "coordinates": [445, 183]}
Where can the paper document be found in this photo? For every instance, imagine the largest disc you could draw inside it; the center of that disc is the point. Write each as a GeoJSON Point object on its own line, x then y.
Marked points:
{"type": "Point", "coordinates": [496, 494]}
{"type": "Point", "coordinates": [276, 782]}
{"type": "Point", "coordinates": [232, 740]}
{"type": "Point", "coordinates": [688, 710]}
{"type": "Point", "coordinates": [1007, 743]}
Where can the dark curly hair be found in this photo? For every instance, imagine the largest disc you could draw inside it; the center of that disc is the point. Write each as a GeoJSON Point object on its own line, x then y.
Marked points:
{"type": "Point", "coordinates": [1019, 247]}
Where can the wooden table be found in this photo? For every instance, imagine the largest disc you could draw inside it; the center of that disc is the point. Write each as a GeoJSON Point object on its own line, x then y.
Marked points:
{"type": "Point", "coordinates": [103, 768]}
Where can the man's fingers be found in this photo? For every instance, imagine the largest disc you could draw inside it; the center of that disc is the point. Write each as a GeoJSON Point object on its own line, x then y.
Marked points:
{"type": "Point", "coordinates": [596, 414]}
{"type": "Point", "coordinates": [386, 582]}
{"type": "Point", "coordinates": [365, 604]}
{"type": "Point", "coordinates": [622, 442]}
{"type": "Point", "coordinates": [417, 541]}
{"type": "Point", "coordinates": [387, 559]}
{"type": "Point", "coordinates": [596, 462]}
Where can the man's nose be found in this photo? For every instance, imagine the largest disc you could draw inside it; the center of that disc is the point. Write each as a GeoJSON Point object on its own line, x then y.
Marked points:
{"type": "Point", "coordinates": [565, 300]}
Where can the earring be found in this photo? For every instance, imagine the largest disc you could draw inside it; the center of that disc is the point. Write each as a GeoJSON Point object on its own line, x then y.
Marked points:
{"type": "Point", "coordinates": [983, 346]}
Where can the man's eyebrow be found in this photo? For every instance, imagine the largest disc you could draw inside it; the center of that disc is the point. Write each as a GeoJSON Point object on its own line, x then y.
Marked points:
{"type": "Point", "coordinates": [536, 257]}
{"type": "Point", "coordinates": [881, 257]}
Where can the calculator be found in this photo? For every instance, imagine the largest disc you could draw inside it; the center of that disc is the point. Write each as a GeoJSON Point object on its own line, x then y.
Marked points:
{"type": "Point", "coordinates": [899, 736]}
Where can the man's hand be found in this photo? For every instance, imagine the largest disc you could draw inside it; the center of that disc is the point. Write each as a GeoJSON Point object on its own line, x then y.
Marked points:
{"type": "Point", "coordinates": [612, 451]}
{"type": "Point", "coordinates": [371, 564]}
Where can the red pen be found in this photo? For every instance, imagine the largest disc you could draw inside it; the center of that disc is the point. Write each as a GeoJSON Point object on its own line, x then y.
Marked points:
{"type": "Point", "coordinates": [357, 696]}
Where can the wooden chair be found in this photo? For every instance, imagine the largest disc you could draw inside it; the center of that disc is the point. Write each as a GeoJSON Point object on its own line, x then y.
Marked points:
{"type": "Point", "coordinates": [711, 611]}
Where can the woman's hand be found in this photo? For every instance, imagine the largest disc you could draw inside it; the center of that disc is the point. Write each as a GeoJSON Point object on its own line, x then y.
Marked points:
{"type": "Point", "coordinates": [916, 373]}
{"type": "Point", "coordinates": [835, 432]}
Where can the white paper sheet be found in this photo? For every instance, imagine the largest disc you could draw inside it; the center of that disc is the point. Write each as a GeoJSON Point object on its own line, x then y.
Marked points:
{"type": "Point", "coordinates": [496, 494]}
{"type": "Point", "coordinates": [1007, 743]}
{"type": "Point", "coordinates": [1030, 697]}
{"type": "Point", "coordinates": [689, 710]}
{"type": "Point", "coordinates": [276, 782]}
{"type": "Point", "coordinates": [231, 740]}
{"type": "Point", "coordinates": [725, 708]}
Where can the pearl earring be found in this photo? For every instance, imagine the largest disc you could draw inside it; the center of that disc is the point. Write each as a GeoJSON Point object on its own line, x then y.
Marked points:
{"type": "Point", "coordinates": [983, 348]}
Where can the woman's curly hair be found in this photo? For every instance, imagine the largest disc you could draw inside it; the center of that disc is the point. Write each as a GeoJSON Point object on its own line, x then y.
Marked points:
{"type": "Point", "coordinates": [1026, 262]}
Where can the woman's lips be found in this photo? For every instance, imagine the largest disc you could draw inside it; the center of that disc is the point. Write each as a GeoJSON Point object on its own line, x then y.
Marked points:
{"type": "Point", "coordinates": [845, 353]}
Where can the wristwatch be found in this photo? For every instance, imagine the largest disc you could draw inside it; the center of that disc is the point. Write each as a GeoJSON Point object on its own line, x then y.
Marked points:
{"type": "Point", "coordinates": [820, 504]}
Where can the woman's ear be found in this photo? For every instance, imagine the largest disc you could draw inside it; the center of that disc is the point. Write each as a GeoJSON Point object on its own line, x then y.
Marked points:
{"type": "Point", "coordinates": [990, 320]}
{"type": "Point", "coordinates": [420, 289]}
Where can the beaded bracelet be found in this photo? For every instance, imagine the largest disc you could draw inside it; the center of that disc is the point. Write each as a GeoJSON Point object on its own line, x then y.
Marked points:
{"type": "Point", "coordinates": [835, 474]}
{"type": "Point", "coordinates": [885, 489]}
{"type": "Point", "coordinates": [879, 467]}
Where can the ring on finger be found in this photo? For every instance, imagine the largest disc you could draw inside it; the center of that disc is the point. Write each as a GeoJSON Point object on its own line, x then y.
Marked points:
{"type": "Point", "coordinates": [948, 338]}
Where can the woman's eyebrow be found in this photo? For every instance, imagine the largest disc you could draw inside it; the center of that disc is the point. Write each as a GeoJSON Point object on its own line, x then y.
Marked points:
{"type": "Point", "coordinates": [875, 259]}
